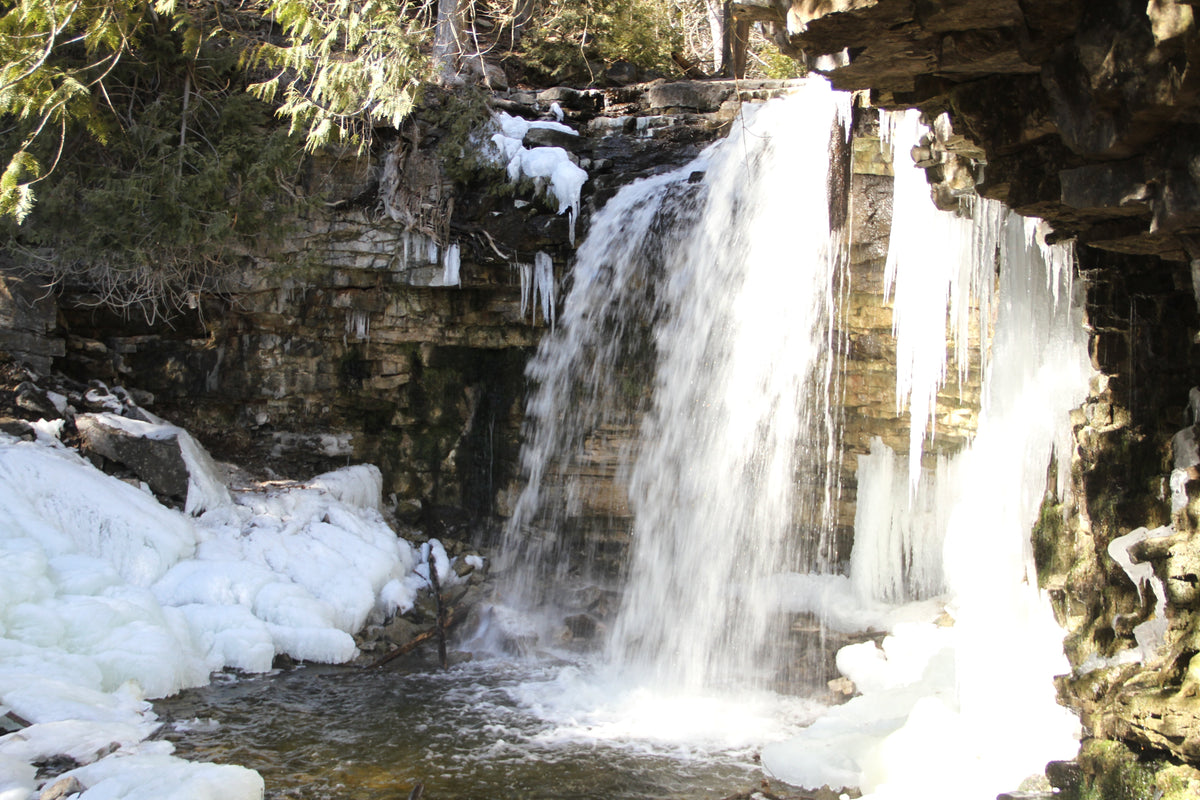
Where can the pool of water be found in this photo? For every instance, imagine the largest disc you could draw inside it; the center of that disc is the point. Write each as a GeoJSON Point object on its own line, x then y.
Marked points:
{"type": "Point", "coordinates": [488, 728]}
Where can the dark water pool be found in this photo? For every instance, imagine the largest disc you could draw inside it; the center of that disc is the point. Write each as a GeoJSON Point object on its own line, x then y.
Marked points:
{"type": "Point", "coordinates": [484, 729]}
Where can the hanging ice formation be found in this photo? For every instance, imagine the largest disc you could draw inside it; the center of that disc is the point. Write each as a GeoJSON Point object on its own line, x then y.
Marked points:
{"type": "Point", "coordinates": [451, 261]}
{"type": "Point", "coordinates": [937, 264]}
{"type": "Point", "coordinates": [968, 710]}
{"type": "Point", "coordinates": [719, 281]}
{"type": "Point", "coordinates": [538, 289]}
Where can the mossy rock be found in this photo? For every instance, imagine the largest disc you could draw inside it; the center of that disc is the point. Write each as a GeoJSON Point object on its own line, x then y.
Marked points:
{"type": "Point", "coordinates": [1110, 770]}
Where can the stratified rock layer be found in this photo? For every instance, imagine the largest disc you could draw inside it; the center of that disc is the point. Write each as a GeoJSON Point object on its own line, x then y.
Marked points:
{"type": "Point", "coordinates": [1083, 113]}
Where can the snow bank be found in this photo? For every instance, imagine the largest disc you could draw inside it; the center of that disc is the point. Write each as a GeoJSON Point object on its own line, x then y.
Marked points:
{"type": "Point", "coordinates": [110, 598]}
{"type": "Point", "coordinates": [162, 777]}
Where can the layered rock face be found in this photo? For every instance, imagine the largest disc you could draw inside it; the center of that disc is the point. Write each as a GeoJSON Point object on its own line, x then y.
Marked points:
{"type": "Point", "coordinates": [393, 325]}
{"type": "Point", "coordinates": [1082, 113]}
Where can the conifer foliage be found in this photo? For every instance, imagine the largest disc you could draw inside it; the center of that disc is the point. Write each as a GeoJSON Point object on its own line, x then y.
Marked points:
{"type": "Point", "coordinates": [141, 150]}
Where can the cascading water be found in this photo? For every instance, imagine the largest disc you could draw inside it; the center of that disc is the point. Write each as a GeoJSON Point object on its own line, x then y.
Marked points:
{"type": "Point", "coordinates": [736, 447]}
{"type": "Point", "coordinates": [733, 261]}
{"type": "Point", "coordinates": [722, 280]}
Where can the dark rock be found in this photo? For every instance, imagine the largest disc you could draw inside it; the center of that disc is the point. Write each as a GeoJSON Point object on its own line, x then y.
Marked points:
{"type": "Point", "coordinates": [517, 108]}
{"type": "Point", "coordinates": [1066, 776]}
{"type": "Point", "coordinates": [454, 595]}
{"type": "Point", "coordinates": [621, 73]}
{"type": "Point", "coordinates": [548, 137]}
{"type": "Point", "coordinates": [582, 626]}
{"type": "Point", "coordinates": [18, 428]}
{"type": "Point", "coordinates": [36, 401]}
{"type": "Point", "coordinates": [572, 99]}
{"type": "Point", "coordinates": [56, 765]}
{"type": "Point", "coordinates": [688, 96]}
{"type": "Point", "coordinates": [27, 322]}
{"type": "Point", "coordinates": [401, 631]}
{"type": "Point", "coordinates": [156, 461]}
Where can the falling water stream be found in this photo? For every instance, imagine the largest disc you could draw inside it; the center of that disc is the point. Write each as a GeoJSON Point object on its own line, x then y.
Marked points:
{"type": "Point", "coordinates": [701, 321]}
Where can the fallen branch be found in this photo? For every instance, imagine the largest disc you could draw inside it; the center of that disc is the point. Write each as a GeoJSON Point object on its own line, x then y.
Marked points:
{"type": "Point", "coordinates": [454, 615]}
{"type": "Point", "coordinates": [689, 68]}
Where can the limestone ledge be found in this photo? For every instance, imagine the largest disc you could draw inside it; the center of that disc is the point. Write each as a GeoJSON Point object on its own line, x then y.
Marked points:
{"type": "Point", "coordinates": [1079, 111]}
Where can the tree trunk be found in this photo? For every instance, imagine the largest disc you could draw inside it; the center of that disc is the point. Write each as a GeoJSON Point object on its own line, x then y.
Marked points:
{"type": "Point", "coordinates": [523, 13]}
{"type": "Point", "coordinates": [448, 41]}
{"type": "Point", "coordinates": [739, 42]}
{"type": "Point", "coordinates": [716, 27]}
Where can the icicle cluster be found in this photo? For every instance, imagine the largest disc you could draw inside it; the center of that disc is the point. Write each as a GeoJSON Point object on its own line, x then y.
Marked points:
{"type": "Point", "coordinates": [939, 265]}
{"type": "Point", "coordinates": [538, 289]}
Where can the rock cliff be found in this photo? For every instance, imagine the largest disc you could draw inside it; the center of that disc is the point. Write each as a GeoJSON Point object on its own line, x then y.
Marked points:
{"type": "Point", "coordinates": [392, 326]}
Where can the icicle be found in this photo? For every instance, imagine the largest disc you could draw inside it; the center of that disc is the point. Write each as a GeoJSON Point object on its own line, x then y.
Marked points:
{"type": "Point", "coordinates": [938, 265]}
{"type": "Point", "coordinates": [450, 266]}
{"type": "Point", "coordinates": [358, 324]}
{"type": "Point", "coordinates": [526, 273]}
{"type": "Point", "coordinates": [1150, 634]}
{"type": "Point", "coordinates": [543, 284]}
{"type": "Point", "coordinates": [898, 533]}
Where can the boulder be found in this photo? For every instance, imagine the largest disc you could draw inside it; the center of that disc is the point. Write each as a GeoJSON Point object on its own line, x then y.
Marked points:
{"type": "Point", "coordinates": [621, 73]}
{"type": "Point", "coordinates": [17, 428]}
{"type": "Point", "coordinates": [572, 99]}
{"type": "Point", "coordinates": [36, 401]}
{"type": "Point", "coordinates": [63, 787]}
{"type": "Point", "coordinates": [158, 461]}
{"type": "Point", "coordinates": [688, 96]}
{"type": "Point", "coordinates": [548, 137]}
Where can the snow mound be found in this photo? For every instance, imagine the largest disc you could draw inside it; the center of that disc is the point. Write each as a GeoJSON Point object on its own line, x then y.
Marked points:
{"type": "Point", "coordinates": [551, 168]}
{"type": "Point", "coordinates": [111, 598]}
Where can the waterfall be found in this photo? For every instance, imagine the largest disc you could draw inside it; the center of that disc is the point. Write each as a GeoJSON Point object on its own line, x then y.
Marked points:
{"type": "Point", "coordinates": [701, 325]}
{"type": "Point", "coordinates": [721, 281]}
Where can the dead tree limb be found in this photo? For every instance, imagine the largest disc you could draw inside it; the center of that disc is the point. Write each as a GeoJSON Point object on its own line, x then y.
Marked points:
{"type": "Point", "coordinates": [454, 615]}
